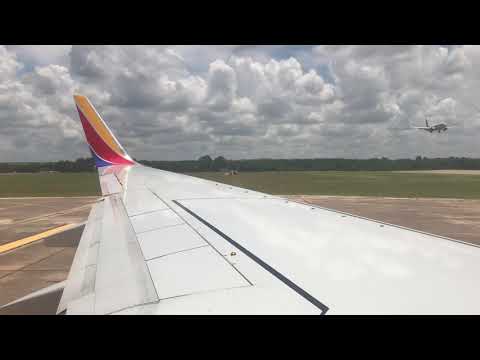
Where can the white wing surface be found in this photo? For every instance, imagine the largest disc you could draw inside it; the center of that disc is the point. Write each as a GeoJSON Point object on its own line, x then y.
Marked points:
{"type": "Point", "coordinates": [165, 243]}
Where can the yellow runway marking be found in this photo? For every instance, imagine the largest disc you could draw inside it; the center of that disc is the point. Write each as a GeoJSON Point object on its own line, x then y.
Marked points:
{"type": "Point", "coordinates": [15, 244]}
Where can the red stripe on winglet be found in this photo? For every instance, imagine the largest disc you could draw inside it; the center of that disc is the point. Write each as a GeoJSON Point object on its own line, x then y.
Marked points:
{"type": "Point", "coordinates": [99, 146]}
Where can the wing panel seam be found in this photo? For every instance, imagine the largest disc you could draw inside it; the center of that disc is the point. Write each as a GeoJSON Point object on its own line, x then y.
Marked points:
{"type": "Point", "coordinates": [202, 237]}
{"type": "Point", "coordinates": [314, 301]}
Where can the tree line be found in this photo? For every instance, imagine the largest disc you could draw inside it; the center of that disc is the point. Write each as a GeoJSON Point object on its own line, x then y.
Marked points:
{"type": "Point", "coordinates": [79, 165]}
{"type": "Point", "coordinates": [207, 163]}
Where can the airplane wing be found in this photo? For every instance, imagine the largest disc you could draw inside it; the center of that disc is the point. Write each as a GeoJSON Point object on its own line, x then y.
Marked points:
{"type": "Point", "coordinates": [164, 243]}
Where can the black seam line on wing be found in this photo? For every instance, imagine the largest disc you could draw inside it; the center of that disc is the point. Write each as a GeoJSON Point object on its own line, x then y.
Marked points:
{"type": "Point", "coordinates": [176, 252]}
{"type": "Point", "coordinates": [306, 203]}
{"type": "Point", "coordinates": [147, 212]}
{"type": "Point", "coordinates": [203, 237]}
{"type": "Point", "coordinates": [260, 262]}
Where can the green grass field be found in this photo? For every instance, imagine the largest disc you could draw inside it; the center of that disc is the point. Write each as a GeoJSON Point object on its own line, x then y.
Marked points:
{"type": "Point", "coordinates": [353, 183]}
{"type": "Point", "coordinates": [49, 184]}
{"type": "Point", "coordinates": [362, 183]}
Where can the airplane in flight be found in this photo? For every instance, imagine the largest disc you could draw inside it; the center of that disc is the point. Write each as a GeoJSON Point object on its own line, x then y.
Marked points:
{"type": "Point", "coordinates": [159, 242]}
{"type": "Point", "coordinates": [431, 128]}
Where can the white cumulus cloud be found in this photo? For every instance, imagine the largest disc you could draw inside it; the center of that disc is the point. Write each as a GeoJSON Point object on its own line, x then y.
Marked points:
{"type": "Point", "coordinates": [180, 102]}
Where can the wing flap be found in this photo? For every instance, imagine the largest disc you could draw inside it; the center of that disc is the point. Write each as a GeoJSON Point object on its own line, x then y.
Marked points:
{"type": "Point", "coordinates": [140, 200]}
{"type": "Point", "coordinates": [193, 271]}
{"type": "Point", "coordinates": [123, 279]}
{"type": "Point", "coordinates": [155, 220]}
{"type": "Point", "coordinates": [249, 300]}
{"type": "Point", "coordinates": [109, 272]}
{"type": "Point", "coordinates": [168, 241]}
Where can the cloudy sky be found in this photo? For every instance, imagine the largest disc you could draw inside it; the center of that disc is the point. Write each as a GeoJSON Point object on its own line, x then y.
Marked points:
{"type": "Point", "coordinates": [181, 102]}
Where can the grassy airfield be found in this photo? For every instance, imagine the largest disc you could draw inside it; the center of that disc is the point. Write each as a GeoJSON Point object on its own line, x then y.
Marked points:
{"type": "Point", "coordinates": [49, 184]}
{"type": "Point", "coordinates": [347, 183]}
{"type": "Point", "coordinates": [356, 183]}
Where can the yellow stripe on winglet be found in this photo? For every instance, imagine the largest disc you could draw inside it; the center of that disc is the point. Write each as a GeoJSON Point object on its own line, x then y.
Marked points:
{"type": "Point", "coordinates": [95, 120]}
{"type": "Point", "coordinates": [15, 244]}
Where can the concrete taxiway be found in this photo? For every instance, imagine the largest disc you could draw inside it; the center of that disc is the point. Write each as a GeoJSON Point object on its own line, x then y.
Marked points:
{"type": "Point", "coordinates": [38, 239]}
{"type": "Point", "coordinates": [22, 217]}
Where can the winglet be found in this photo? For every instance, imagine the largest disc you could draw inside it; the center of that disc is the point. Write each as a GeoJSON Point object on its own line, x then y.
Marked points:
{"type": "Point", "coordinates": [105, 148]}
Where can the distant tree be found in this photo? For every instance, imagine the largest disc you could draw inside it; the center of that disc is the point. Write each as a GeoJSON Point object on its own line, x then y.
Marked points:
{"type": "Point", "coordinates": [205, 163]}
{"type": "Point", "coordinates": [219, 163]}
